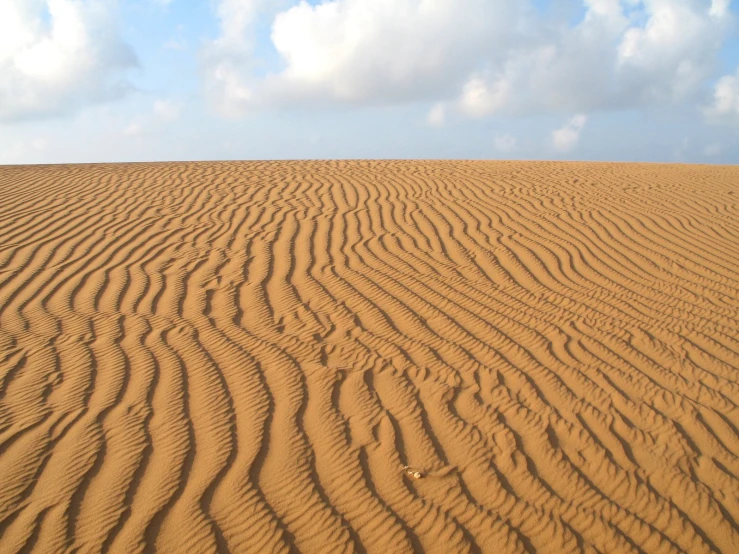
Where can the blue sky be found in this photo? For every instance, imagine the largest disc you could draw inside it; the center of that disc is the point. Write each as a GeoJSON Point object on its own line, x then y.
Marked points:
{"type": "Point", "coordinates": [144, 80]}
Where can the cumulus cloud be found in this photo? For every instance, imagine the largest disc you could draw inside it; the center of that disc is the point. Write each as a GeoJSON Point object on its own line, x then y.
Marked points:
{"type": "Point", "coordinates": [566, 138]}
{"type": "Point", "coordinates": [725, 105]}
{"type": "Point", "coordinates": [623, 54]}
{"type": "Point", "coordinates": [362, 51]}
{"type": "Point", "coordinates": [228, 61]}
{"type": "Point", "coordinates": [482, 57]}
{"type": "Point", "coordinates": [56, 55]}
{"type": "Point", "coordinates": [675, 46]}
{"type": "Point", "coordinates": [480, 98]}
{"type": "Point", "coordinates": [355, 51]}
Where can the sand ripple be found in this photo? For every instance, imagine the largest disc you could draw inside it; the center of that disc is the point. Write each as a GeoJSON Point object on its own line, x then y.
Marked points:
{"type": "Point", "coordinates": [202, 357]}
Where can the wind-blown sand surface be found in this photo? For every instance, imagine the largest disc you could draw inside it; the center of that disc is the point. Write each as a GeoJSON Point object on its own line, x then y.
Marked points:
{"type": "Point", "coordinates": [242, 357]}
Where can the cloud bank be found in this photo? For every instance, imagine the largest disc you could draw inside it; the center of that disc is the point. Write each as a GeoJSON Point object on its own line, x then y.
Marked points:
{"type": "Point", "coordinates": [477, 57]}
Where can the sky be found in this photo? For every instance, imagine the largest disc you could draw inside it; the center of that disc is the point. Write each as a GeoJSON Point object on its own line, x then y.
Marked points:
{"type": "Point", "coordinates": [150, 80]}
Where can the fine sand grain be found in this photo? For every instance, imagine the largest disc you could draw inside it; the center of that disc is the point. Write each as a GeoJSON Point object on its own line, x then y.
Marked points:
{"type": "Point", "coordinates": [244, 357]}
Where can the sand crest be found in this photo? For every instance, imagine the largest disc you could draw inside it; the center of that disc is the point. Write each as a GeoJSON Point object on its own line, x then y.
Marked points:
{"type": "Point", "coordinates": [261, 356]}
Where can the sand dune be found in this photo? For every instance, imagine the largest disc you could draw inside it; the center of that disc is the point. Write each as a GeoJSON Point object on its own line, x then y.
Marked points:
{"type": "Point", "coordinates": [242, 357]}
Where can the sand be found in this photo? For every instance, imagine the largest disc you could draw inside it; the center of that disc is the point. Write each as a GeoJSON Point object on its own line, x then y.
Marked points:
{"type": "Point", "coordinates": [243, 357]}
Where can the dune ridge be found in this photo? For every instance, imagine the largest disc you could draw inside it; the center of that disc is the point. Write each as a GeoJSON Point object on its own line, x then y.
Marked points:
{"type": "Point", "coordinates": [243, 356]}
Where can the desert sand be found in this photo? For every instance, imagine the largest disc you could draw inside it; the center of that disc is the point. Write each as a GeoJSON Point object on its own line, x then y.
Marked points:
{"type": "Point", "coordinates": [243, 357]}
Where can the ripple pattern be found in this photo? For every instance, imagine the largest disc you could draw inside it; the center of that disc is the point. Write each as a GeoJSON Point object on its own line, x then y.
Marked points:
{"type": "Point", "coordinates": [243, 357]}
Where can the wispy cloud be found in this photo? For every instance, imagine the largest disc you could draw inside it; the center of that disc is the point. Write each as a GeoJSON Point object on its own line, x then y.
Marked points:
{"type": "Point", "coordinates": [567, 138]}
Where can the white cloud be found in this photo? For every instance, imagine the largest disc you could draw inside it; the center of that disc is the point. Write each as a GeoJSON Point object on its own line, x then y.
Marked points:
{"type": "Point", "coordinates": [719, 8]}
{"type": "Point", "coordinates": [362, 50]}
{"type": "Point", "coordinates": [566, 138]}
{"type": "Point", "coordinates": [354, 51]}
{"type": "Point", "coordinates": [56, 55]}
{"type": "Point", "coordinates": [436, 115]}
{"type": "Point", "coordinates": [623, 54]}
{"type": "Point", "coordinates": [492, 56]}
{"type": "Point", "coordinates": [505, 143]}
{"type": "Point", "coordinates": [725, 106]}
{"type": "Point", "coordinates": [671, 54]}
{"type": "Point", "coordinates": [480, 98]}
{"type": "Point", "coordinates": [229, 60]}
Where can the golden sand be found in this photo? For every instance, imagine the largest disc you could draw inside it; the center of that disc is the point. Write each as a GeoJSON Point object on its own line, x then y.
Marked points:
{"type": "Point", "coordinates": [369, 356]}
